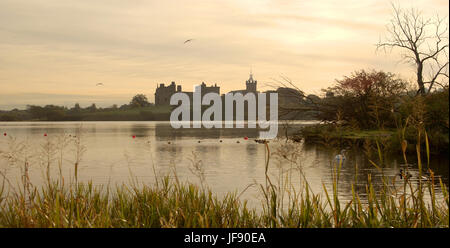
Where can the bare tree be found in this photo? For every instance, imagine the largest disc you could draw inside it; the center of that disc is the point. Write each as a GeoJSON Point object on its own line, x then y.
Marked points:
{"type": "Point", "coordinates": [423, 42]}
{"type": "Point", "coordinates": [288, 90]}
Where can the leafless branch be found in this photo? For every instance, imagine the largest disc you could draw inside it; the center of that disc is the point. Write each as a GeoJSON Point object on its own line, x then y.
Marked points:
{"type": "Point", "coordinates": [424, 42]}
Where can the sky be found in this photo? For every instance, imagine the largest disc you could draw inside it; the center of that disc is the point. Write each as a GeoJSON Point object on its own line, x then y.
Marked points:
{"type": "Point", "coordinates": [57, 51]}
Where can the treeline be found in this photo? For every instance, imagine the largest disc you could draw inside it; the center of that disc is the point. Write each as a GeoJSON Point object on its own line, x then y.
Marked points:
{"type": "Point", "coordinates": [60, 113]}
{"type": "Point", "coordinates": [139, 109]}
{"type": "Point", "coordinates": [377, 100]}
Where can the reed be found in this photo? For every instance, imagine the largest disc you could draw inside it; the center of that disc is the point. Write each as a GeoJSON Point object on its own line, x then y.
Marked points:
{"type": "Point", "coordinates": [170, 203]}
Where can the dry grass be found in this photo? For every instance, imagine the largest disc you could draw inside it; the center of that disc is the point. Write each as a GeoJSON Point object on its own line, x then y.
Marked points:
{"type": "Point", "coordinates": [170, 203]}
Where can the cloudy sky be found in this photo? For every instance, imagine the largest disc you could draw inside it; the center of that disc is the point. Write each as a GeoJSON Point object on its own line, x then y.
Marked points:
{"type": "Point", "coordinates": [56, 51]}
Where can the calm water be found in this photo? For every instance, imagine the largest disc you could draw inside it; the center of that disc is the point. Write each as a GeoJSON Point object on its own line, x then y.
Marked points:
{"type": "Point", "coordinates": [113, 156]}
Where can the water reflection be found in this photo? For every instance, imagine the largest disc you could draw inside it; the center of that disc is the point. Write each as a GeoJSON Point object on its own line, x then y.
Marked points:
{"type": "Point", "coordinates": [356, 171]}
{"type": "Point", "coordinates": [112, 155]}
{"type": "Point", "coordinates": [163, 131]}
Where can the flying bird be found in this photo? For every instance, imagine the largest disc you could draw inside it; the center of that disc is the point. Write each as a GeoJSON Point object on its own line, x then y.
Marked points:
{"type": "Point", "coordinates": [186, 41]}
{"type": "Point", "coordinates": [99, 84]}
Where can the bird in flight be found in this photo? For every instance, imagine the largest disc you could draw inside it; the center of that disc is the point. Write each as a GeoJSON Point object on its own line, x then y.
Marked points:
{"type": "Point", "coordinates": [99, 84]}
{"type": "Point", "coordinates": [186, 41]}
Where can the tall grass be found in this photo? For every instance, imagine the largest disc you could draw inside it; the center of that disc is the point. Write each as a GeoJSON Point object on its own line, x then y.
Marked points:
{"type": "Point", "coordinates": [171, 203]}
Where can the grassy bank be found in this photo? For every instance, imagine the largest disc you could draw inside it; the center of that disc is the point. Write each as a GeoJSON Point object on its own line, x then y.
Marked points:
{"type": "Point", "coordinates": [323, 131]}
{"type": "Point", "coordinates": [153, 113]}
{"type": "Point", "coordinates": [390, 139]}
{"type": "Point", "coordinates": [170, 203]}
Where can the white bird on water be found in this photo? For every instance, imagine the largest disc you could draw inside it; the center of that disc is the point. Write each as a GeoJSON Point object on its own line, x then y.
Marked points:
{"type": "Point", "coordinates": [99, 84]}
{"type": "Point", "coordinates": [340, 158]}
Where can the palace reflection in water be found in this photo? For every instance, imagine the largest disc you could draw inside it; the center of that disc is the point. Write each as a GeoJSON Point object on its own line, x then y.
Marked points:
{"type": "Point", "coordinates": [230, 162]}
